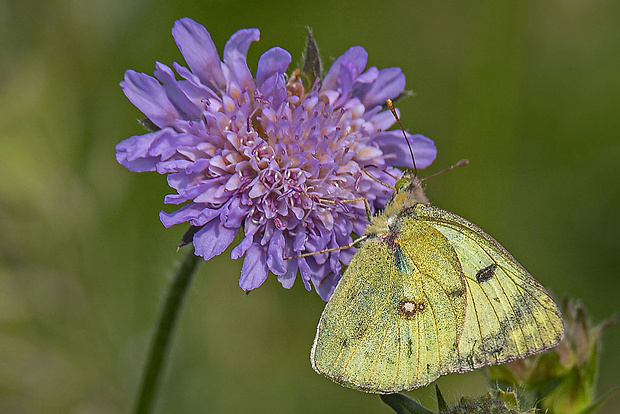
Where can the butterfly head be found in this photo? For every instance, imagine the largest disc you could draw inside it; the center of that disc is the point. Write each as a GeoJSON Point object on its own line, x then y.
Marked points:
{"type": "Point", "coordinates": [408, 191]}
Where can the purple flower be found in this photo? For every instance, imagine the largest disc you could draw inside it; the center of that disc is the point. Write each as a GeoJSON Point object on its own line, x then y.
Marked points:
{"type": "Point", "coordinates": [267, 155]}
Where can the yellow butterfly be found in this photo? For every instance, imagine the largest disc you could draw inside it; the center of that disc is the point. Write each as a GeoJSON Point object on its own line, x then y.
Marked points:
{"type": "Point", "coordinates": [426, 294]}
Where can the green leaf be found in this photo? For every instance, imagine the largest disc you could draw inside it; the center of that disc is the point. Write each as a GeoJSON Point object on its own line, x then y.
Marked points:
{"type": "Point", "coordinates": [441, 403]}
{"type": "Point", "coordinates": [149, 125]}
{"type": "Point", "coordinates": [312, 61]}
{"type": "Point", "coordinates": [509, 398]}
{"type": "Point", "coordinates": [590, 408]}
{"type": "Point", "coordinates": [401, 404]}
{"type": "Point", "coordinates": [188, 236]}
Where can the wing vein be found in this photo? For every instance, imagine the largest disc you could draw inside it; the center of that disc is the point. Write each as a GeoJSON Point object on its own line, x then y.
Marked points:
{"type": "Point", "coordinates": [418, 356]}
{"type": "Point", "coordinates": [459, 228]}
{"type": "Point", "coordinates": [476, 312]}
{"type": "Point", "coordinates": [398, 357]}
{"type": "Point", "coordinates": [529, 309]}
{"type": "Point", "coordinates": [436, 327]}
{"type": "Point", "coordinates": [374, 365]}
{"type": "Point", "coordinates": [499, 322]}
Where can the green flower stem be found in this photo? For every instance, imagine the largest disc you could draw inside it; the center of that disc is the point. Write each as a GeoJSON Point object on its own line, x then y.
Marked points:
{"type": "Point", "coordinates": [163, 333]}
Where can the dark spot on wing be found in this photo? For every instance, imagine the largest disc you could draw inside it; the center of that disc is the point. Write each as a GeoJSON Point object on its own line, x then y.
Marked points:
{"type": "Point", "coordinates": [428, 368]}
{"type": "Point", "coordinates": [359, 329]}
{"type": "Point", "coordinates": [486, 274]}
{"type": "Point", "coordinates": [522, 308]}
{"type": "Point", "coordinates": [409, 348]}
{"type": "Point", "coordinates": [456, 293]}
{"type": "Point", "coordinates": [470, 359]}
{"type": "Point", "coordinates": [408, 308]}
{"type": "Point", "coordinates": [494, 343]}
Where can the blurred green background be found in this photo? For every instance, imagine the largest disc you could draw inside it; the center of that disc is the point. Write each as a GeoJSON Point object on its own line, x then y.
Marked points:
{"type": "Point", "coordinates": [529, 91]}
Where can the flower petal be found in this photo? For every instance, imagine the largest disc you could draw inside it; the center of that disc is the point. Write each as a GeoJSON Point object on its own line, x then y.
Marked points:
{"type": "Point", "coordinates": [348, 72]}
{"type": "Point", "coordinates": [254, 270]}
{"type": "Point", "coordinates": [397, 153]}
{"type": "Point", "coordinates": [389, 84]}
{"type": "Point", "coordinates": [185, 213]}
{"type": "Point", "coordinates": [166, 145]}
{"type": "Point", "coordinates": [233, 213]}
{"type": "Point", "coordinates": [305, 272]}
{"type": "Point", "coordinates": [240, 249]}
{"type": "Point", "coordinates": [172, 166]}
{"type": "Point", "coordinates": [328, 284]}
{"type": "Point", "coordinates": [178, 98]}
{"type": "Point", "coordinates": [275, 261]}
{"type": "Point", "coordinates": [147, 94]}
{"type": "Point", "coordinates": [235, 53]}
{"type": "Point", "coordinates": [133, 153]}
{"type": "Point", "coordinates": [368, 76]}
{"type": "Point", "coordinates": [356, 55]}
{"type": "Point", "coordinates": [272, 62]}
{"type": "Point", "coordinates": [194, 88]}
{"type": "Point", "coordinates": [381, 120]}
{"type": "Point", "coordinates": [213, 239]}
{"type": "Point", "coordinates": [190, 192]}
{"type": "Point", "coordinates": [199, 52]}
{"type": "Point", "coordinates": [288, 279]}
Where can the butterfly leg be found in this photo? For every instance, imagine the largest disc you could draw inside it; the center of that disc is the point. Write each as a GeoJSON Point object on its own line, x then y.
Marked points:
{"type": "Point", "coordinates": [340, 203]}
{"type": "Point", "coordinates": [353, 243]}
{"type": "Point", "coordinates": [366, 205]}
{"type": "Point", "coordinates": [372, 177]}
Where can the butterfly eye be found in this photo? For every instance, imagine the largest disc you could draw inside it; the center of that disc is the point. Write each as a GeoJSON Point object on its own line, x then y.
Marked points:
{"type": "Point", "coordinates": [402, 183]}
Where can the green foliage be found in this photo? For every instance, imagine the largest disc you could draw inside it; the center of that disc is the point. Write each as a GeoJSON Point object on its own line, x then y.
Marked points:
{"type": "Point", "coordinates": [401, 404]}
{"type": "Point", "coordinates": [312, 67]}
{"type": "Point", "coordinates": [494, 402]}
{"type": "Point", "coordinates": [497, 402]}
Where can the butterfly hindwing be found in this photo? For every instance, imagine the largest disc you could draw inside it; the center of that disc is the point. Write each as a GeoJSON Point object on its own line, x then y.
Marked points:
{"type": "Point", "coordinates": [395, 318]}
{"type": "Point", "coordinates": [352, 327]}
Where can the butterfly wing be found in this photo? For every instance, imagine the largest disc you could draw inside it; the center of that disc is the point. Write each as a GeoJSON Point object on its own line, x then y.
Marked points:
{"type": "Point", "coordinates": [509, 314]}
{"type": "Point", "coordinates": [438, 295]}
{"type": "Point", "coordinates": [394, 320]}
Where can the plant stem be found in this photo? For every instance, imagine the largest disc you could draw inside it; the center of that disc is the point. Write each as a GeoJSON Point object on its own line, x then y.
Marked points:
{"type": "Point", "coordinates": [163, 334]}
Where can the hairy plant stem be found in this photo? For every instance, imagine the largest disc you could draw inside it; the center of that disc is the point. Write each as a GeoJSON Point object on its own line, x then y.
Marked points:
{"type": "Point", "coordinates": [164, 331]}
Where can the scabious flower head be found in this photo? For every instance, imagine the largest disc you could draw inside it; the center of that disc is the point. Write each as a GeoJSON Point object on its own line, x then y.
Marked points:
{"type": "Point", "coordinates": [268, 155]}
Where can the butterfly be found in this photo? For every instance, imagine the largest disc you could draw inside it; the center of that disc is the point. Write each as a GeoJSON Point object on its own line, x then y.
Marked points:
{"type": "Point", "coordinates": [426, 294]}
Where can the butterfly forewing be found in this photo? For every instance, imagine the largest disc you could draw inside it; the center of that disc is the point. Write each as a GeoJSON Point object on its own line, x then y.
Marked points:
{"type": "Point", "coordinates": [509, 314]}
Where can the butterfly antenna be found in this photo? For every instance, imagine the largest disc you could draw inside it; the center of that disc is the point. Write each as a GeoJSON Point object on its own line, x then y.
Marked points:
{"type": "Point", "coordinates": [457, 165]}
{"type": "Point", "coordinates": [390, 105]}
